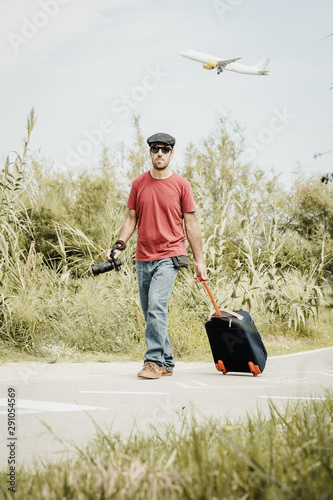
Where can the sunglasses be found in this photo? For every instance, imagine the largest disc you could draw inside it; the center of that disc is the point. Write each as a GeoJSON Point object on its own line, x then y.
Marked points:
{"type": "Point", "coordinates": [164, 149]}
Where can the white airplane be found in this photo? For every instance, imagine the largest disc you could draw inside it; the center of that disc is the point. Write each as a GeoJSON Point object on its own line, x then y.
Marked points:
{"type": "Point", "coordinates": [210, 62]}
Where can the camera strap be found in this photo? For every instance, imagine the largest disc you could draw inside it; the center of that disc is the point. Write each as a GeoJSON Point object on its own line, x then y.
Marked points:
{"type": "Point", "coordinates": [119, 245]}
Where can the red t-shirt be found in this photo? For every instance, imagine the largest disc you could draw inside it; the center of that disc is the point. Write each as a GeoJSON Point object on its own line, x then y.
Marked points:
{"type": "Point", "coordinates": [159, 205]}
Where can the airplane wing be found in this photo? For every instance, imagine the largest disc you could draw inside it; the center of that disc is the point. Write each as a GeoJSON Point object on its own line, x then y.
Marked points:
{"type": "Point", "coordinates": [225, 62]}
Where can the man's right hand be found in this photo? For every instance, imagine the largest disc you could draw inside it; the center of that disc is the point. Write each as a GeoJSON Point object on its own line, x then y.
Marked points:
{"type": "Point", "coordinates": [117, 248]}
{"type": "Point", "coordinates": [116, 254]}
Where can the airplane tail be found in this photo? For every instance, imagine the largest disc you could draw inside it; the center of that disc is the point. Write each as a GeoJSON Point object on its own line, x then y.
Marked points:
{"type": "Point", "coordinates": [261, 67]}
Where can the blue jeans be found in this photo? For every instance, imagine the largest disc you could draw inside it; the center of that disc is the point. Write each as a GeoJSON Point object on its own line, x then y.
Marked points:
{"type": "Point", "coordinates": [155, 281]}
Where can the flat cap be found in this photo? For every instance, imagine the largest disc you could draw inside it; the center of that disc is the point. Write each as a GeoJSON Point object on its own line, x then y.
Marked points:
{"type": "Point", "coordinates": [162, 138]}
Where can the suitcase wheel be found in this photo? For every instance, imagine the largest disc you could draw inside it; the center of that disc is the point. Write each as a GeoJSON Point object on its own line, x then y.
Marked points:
{"type": "Point", "coordinates": [254, 369]}
{"type": "Point", "coordinates": [220, 367]}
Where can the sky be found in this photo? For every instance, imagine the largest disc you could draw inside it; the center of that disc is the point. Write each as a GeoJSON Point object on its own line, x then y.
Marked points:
{"type": "Point", "coordinates": [87, 66]}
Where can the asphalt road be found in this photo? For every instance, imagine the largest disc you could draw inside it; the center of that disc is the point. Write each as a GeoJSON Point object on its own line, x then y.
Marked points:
{"type": "Point", "coordinates": [58, 405]}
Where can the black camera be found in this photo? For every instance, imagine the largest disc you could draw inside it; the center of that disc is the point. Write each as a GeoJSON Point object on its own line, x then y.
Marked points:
{"type": "Point", "coordinates": [106, 267]}
{"type": "Point", "coordinates": [112, 264]}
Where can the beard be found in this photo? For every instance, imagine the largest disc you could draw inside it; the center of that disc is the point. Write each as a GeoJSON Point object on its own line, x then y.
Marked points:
{"type": "Point", "coordinates": [160, 167]}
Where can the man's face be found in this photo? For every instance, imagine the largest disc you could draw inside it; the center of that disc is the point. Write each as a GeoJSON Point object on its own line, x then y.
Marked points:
{"type": "Point", "coordinates": [161, 158]}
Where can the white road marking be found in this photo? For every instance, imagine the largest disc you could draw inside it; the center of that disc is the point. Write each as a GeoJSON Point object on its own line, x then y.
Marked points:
{"type": "Point", "coordinates": [29, 404]}
{"type": "Point", "coordinates": [25, 412]}
{"type": "Point", "coordinates": [292, 397]}
{"type": "Point", "coordinates": [184, 386]}
{"type": "Point", "coordinates": [123, 392]}
{"type": "Point", "coordinates": [300, 353]}
{"type": "Point", "coordinates": [199, 383]}
{"type": "Point", "coordinates": [223, 386]}
{"type": "Point", "coordinates": [286, 381]}
{"type": "Point", "coordinates": [327, 373]}
{"type": "Point", "coordinates": [289, 373]}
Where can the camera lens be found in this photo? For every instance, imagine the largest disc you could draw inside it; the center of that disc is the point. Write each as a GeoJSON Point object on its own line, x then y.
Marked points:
{"type": "Point", "coordinates": [102, 268]}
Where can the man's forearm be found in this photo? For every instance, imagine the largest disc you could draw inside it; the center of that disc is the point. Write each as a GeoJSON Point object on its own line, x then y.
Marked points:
{"type": "Point", "coordinates": [194, 239]}
{"type": "Point", "coordinates": [127, 229]}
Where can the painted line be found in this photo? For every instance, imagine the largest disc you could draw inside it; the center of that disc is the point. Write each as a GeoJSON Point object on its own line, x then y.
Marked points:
{"type": "Point", "coordinates": [30, 404]}
{"type": "Point", "coordinates": [124, 392]}
{"type": "Point", "coordinates": [300, 353]}
{"type": "Point", "coordinates": [184, 386]}
{"type": "Point", "coordinates": [292, 397]}
{"type": "Point", "coordinates": [25, 412]}
{"type": "Point", "coordinates": [326, 373]}
{"type": "Point", "coordinates": [199, 383]}
{"type": "Point", "coordinates": [287, 381]}
{"type": "Point", "coordinates": [223, 386]}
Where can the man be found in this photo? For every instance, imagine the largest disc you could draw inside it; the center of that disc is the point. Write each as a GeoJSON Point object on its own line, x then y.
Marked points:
{"type": "Point", "coordinates": [159, 201]}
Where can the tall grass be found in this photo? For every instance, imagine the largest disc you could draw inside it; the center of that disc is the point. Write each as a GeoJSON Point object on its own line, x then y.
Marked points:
{"type": "Point", "coordinates": [286, 454]}
{"type": "Point", "coordinates": [256, 275]}
{"type": "Point", "coordinates": [14, 221]}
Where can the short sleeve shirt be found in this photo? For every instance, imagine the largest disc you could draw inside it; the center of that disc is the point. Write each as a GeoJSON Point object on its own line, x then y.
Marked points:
{"type": "Point", "coordinates": [160, 205]}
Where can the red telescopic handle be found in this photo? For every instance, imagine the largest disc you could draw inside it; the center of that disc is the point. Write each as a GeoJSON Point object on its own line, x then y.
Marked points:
{"type": "Point", "coordinates": [210, 295]}
{"type": "Point", "coordinates": [218, 311]}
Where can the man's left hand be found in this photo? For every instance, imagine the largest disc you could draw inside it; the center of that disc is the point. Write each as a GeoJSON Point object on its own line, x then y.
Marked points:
{"type": "Point", "coordinates": [201, 272]}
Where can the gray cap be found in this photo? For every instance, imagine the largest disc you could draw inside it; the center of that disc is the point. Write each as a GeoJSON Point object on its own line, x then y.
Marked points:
{"type": "Point", "coordinates": [162, 138]}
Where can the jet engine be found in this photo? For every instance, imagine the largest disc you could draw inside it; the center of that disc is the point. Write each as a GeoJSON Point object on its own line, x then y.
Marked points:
{"type": "Point", "coordinates": [210, 65]}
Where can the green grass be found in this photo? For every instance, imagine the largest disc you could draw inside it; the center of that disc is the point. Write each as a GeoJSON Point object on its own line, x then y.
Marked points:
{"type": "Point", "coordinates": [285, 455]}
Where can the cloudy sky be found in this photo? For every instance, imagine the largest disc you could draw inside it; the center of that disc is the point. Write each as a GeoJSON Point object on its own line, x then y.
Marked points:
{"type": "Point", "coordinates": [86, 66]}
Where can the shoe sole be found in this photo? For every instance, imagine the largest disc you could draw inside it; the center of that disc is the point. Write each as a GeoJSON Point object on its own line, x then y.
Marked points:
{"type": "Point", "coordinates": [149, 372]}
{"type": "Point", "coordinates": [150, 376]}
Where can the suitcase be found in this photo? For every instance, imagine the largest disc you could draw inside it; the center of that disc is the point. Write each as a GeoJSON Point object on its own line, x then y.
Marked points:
{"type": "Point", "coordinates": [234, 340]}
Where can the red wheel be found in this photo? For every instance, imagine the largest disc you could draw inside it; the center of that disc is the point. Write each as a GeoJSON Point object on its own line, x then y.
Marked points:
{"type": "Point", "coordinates": [220, 367]}
{"type": "Point", "coordinates": [254, 369]}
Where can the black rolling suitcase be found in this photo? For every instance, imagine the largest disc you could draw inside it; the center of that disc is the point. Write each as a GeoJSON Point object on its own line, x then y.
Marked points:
{"type": "Point", "coordinates": [234, 340]}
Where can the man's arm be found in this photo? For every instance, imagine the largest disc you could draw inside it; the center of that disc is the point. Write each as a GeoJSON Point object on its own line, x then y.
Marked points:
{"type": "Point", "coordinates": [194, 239]}
{"type": "Point", "coordinates": [127, 229]}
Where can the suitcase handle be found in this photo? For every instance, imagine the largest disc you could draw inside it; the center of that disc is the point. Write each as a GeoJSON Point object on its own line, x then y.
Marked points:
{"type": "Point", "coordinates": [218, 311]}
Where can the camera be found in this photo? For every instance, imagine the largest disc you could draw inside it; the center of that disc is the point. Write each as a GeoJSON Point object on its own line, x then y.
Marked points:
{"type": "Point", "coordinates": [110, 265]}
{"type": "Point", "coordinates": [106, 267]}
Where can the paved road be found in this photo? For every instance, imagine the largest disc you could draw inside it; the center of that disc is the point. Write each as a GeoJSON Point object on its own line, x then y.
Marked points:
{"type": "Point", "coordinates": [69, 398]}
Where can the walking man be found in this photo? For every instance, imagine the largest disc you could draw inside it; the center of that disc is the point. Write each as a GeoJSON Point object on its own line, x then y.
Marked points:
{"type": "Point", "coordinates": [159, 201]}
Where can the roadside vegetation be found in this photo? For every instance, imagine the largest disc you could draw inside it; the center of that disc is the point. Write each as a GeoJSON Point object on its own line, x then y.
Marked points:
{"type": "Point", "coordinates": [286, 454]}
{"type": "Point", "coordinates": [267, 250]}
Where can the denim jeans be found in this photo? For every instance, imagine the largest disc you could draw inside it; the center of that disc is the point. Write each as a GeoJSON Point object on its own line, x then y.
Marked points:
{"type": "Point", "coordinates": [155, 281]}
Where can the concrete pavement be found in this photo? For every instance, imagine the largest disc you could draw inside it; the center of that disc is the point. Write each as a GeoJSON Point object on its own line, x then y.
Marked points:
{"type": "Point", "coordinates": [59, 404]}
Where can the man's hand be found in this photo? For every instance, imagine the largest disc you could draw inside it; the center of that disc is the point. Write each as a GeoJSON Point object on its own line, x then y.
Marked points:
{"type": "Point", "coordinates": [115, 254]}
{"type": "Point", "coordinates": [115, 251]}
{"type": "Point", "coordinates": [200, 270]}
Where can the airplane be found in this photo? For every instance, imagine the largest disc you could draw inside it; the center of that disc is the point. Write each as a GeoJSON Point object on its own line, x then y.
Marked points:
{"type": "Point", "coordinates": [210, 62]}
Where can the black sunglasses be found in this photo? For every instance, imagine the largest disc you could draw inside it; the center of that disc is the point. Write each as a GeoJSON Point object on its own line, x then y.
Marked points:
{"type": "Point", "coordinates": [164, 149]}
